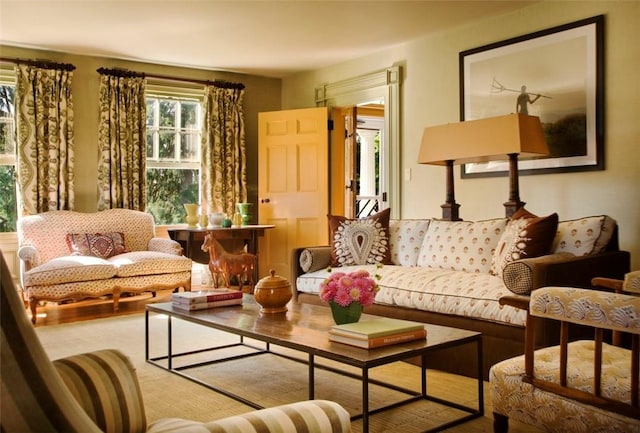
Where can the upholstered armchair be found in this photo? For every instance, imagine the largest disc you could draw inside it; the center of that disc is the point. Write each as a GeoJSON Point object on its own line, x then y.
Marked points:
{"type": "Point", "coordinates": [580, 386]}
{"type": "Point", "coordinates": [99, 391]}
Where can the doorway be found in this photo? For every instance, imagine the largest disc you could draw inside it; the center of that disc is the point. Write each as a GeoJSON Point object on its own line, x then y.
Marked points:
{"type": "Point", "coordinates": [363, 99]}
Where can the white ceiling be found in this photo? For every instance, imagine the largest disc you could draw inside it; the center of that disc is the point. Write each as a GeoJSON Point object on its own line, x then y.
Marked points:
{"type": "Point", "coordinates": [269, 38]}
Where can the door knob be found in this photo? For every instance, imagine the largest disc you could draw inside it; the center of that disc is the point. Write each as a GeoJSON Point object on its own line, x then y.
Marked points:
{"type": "Point", "coordinates": [265, 200]}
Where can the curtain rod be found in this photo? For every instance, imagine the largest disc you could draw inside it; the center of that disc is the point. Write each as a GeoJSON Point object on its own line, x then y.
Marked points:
{"type": "Point", "coordinates": [47, 64]}
{"type": "Point", "coordinates": [126, 73]}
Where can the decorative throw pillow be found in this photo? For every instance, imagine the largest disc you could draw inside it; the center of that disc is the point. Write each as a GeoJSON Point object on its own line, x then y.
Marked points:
{"type": "Point", "coordinates": [405, 240]}
{"type": "Point", "coordinates": [103, 245]}
{"type": "Point", "coordinates": [584, 236]}
{"type": "Point", "coordinates": [461, 245]}
{"type": "Point", "coordinates": [362, 241]}
{"type": "Point", "coordinates": [526, 236]}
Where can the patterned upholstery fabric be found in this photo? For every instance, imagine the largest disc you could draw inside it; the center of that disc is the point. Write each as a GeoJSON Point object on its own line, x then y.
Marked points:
{"type": "Point", "coordinates": [465, 294]}
{"type": "Point", "coordinates": [405, 240]}
{"type": "Point", "coordinates": [461, 245]}
{"type": "Point", "coordinates": [521, 401]}
{"type": "Point", "coordinates": [98, 391]}
{"type": "Point", "coordinates": [64, 258]}
{"type": "Point", "coordinates": [631, 282]}
{"type": "Point", "coordinates": [584, 236]}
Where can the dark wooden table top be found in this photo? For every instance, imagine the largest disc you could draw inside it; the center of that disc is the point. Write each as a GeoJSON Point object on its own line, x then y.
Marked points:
{"type": "Point", "coordinates": [305, 327]}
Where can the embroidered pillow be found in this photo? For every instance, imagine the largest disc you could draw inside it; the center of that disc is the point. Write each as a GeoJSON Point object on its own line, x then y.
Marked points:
{"type": "Point", "coordinates": [525, 236]}
{"type": "Point", "coordinates": [103, 245]}
{"type": "Point", "coordinates": [362, 241]}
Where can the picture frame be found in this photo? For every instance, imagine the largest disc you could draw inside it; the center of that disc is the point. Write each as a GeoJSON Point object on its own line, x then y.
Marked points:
{"type": "Point", "coordinates": [556, 74]}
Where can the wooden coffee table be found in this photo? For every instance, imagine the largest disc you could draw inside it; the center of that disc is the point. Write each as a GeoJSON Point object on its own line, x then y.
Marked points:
{"type": "Point", "coordinates": [304, 328]}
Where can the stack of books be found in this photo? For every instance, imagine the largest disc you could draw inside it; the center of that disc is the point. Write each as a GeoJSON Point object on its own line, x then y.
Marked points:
{"type": "Point", "coordinates": [384, 331]}
{"type": "Point", "coordinates": [203, 299]}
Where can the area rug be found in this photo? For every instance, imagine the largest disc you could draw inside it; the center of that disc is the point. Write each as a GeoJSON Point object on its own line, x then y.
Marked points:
{"type": "Point", "coordinates": [267, 379]}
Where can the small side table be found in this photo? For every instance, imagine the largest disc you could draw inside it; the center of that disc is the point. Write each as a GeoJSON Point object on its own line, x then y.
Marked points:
{"type": "Point", "coordinates": [191, 240]}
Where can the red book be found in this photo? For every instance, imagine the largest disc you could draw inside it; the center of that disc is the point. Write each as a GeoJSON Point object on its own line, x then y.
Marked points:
{"type": "Point", "coordinates": [374, 342]}
{"type": "Point", "coordinates": [201, 296]}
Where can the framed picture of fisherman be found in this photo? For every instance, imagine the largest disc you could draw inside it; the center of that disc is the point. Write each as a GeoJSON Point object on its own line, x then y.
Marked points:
{"type": "Point", "coordinates": [555, 74]}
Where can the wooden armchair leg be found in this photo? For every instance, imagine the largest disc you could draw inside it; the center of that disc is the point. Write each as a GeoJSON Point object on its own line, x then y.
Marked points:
{"type": "Point", "coordinates": [500, 423]}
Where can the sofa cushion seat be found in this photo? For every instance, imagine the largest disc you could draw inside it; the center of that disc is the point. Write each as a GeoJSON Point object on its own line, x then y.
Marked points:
{"type": "Point", "coordinates": [459, 293]}
{"type": "Point", "coordinates": [138, 263]}
{"type": "Point", "coordinates": [69, 269]}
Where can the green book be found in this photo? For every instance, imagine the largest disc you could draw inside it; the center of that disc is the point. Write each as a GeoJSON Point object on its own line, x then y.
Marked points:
{"type": "Point", "coordinates": [381, 327]}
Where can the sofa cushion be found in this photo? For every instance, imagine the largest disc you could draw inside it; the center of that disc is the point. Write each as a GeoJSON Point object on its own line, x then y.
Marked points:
{"type": "Point", "coordinates": [518, 275]}
{"type": "Point", "coordinates": [360, 241]}
{"type": "Point", "coordinates": [69, 269]}
{"type": "Point", "coordinates": [526, 236]}
{"type": "Point", "coordinates": [584, 236]}
{"type": "Point", "coordinates": [149, 263]}
{"type": "Point", "coordinates": [461, 245]}
{"type": "Point", "coordinates": [544, 409]}
{"type": "Point", "coordinates": [405, 240]}
{"type": "Point", "coordinates": [474, 295]}
{"type": "Point", "coordinates": [103, 245]}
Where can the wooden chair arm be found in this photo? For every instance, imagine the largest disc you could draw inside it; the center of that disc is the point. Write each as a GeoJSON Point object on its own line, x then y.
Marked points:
{"type": "Point", "coordinates": [517, 301]}
{"type": "Point", "coordinates": [608, 283]}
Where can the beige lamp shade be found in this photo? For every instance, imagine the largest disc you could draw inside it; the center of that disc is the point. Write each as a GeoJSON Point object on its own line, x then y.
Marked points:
{"type": "Point", "coordinates": [483, 140]}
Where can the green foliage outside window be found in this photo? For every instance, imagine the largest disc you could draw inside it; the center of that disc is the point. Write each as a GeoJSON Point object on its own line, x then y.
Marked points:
{"type": "Point", "coordinates": [8, 208]}
{"type": "Point", "coordinates": [167, 191]}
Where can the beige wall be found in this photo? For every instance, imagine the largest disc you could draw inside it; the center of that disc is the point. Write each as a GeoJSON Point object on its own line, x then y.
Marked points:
{"type": "Point", "coordinates": [430, 97]}
{"type": "Point", "coordinates": [261, 94]}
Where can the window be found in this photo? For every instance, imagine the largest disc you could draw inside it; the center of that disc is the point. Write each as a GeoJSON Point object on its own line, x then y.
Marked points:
{"type": "Point", "coordinates": [8, 179]}
{"type": "Point", "coordinates": [173, 153]}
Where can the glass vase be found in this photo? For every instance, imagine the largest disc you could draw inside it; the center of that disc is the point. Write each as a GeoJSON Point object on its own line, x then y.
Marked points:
{"type": "Point", "coordinates": [348, 314]}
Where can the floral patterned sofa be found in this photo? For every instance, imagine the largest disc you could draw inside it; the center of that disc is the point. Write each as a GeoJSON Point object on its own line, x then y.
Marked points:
{"type": "Point", "coordinates": [68, 255]}
{"type": "Point", "coordinates": [592, 390]}
{"type": "Point", "coordinates": [453, 273]}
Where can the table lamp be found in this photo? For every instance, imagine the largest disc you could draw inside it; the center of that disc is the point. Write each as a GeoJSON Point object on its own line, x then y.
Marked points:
{"type": "Point", "coordinates": [483, 140]}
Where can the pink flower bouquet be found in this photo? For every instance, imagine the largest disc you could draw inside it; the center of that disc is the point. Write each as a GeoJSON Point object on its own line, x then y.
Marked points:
{"type": "Point", "coordinates": [345, 288]}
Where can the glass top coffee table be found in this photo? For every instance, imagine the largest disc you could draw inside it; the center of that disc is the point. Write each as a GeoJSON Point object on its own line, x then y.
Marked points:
{"type": "Point", "coordinates": [304, 328]}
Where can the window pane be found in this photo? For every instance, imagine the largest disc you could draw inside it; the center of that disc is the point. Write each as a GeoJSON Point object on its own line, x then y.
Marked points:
{"type": "Point", "coordinates": [167, 191]}
{"type": "Point", "coordinates": [190, 145]}
{"type": "Point", "coordinates": [150, 144]}
{"type": "Point", "coordinates": [168, 113]}
{"type": "Point", "coordinates": [8, 210]}
{"type": "Point", "coordinates": [7, 139]}
{"type": "Point", "coordinates": [151, 113]}
{"type": "Point", "coordinates": [167, 140]}
{"type": "Point", "coordinates": [189, 115]}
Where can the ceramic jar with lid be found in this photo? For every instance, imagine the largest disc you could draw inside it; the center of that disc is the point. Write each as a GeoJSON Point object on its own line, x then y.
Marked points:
{"type": "Point", "coordinates": [272, 293]}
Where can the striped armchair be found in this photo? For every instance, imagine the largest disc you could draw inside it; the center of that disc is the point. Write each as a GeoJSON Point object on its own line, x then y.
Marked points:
{"type": "Point", "coordinates": [99, 391]}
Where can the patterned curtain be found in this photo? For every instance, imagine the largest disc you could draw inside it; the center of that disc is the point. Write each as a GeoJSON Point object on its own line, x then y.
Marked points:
{"type": "Point", "coordinates": [121, 140]}
{"type": "Point", "coordinates": [224, 168]}
{"type": "Point", "coordinates": [44, 133]}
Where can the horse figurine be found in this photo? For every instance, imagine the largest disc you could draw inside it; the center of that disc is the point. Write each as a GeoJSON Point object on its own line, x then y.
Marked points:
{"type": "Point", "coordinates": [226, 265]}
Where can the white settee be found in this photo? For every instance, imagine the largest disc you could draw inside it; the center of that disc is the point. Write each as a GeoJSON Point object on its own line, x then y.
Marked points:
{"type": "Point", "coordinates": [453, 273]}
{"type": "Point", "coordinates": [68, 255]}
